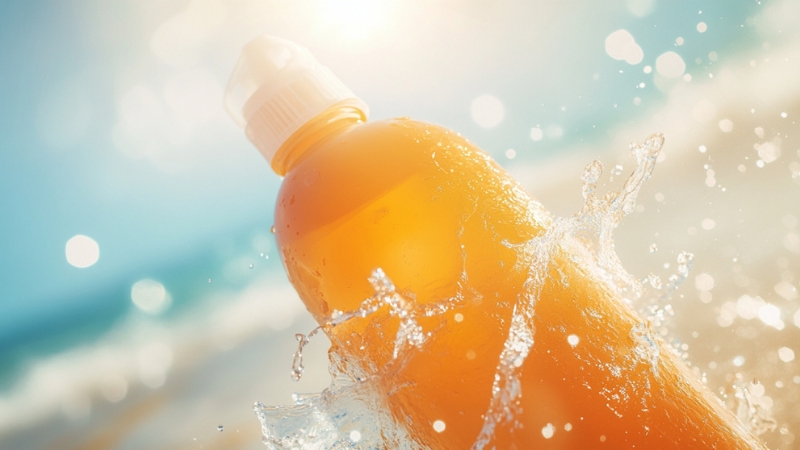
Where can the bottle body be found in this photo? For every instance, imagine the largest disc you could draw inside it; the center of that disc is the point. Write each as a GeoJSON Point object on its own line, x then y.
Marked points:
{"type": "Point", "coordinates": [442, 220]}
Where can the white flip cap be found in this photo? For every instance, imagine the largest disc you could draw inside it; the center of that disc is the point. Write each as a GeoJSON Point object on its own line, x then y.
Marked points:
{"type": "Point", "coordinates": [278, 86]}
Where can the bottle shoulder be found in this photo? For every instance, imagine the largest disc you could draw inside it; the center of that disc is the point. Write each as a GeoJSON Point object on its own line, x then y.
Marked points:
{"type": "Point", "coordinates": [368, 160]}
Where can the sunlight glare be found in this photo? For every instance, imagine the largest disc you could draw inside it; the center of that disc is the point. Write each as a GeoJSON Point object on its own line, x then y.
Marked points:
{"type": "Point", "coordinates": [354, 19]}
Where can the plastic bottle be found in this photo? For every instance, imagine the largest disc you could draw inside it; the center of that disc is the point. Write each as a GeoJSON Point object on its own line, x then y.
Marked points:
{"type": "Point", "coordinates": [441, 219]}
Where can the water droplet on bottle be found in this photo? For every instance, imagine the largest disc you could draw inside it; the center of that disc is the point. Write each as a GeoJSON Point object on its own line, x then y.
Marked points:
{"type": "Point", "coordinates": [209, 280]}
{"type": "Point", "coordinates": [653, 248]}
{"type": "Point", "coordinates": [219, 428]}
{"type": "Point", "coordinates": [272, 229]}
{"type": "Point", "coordinates": [251, 266]}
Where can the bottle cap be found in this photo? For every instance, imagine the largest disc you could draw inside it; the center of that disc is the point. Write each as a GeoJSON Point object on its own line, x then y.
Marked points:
{"type": "Point", "coordinates": [278, 86]}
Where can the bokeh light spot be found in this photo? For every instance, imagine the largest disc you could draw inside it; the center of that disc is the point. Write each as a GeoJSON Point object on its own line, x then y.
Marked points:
{"type": "Point", "coordinates": [150, 296]}
{"type": "Point", "coordinates": [670, 65]}
{"type": "Point", "coordinates": [82, 251]}
{"type": "Point", "coordinates": [487, 111]}
{"type": "Point", "coordinates": [620, 45]}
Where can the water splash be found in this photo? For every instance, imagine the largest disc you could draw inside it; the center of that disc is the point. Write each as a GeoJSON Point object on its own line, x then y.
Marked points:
{"type": "Point", "coordinates": [745, 403]}
{"type": "Point", "coordinates": [351, 413]}
{"type": "Point", "coordinates": [355, 406]}
{"type": "Point", "coordinates": [589, 231]}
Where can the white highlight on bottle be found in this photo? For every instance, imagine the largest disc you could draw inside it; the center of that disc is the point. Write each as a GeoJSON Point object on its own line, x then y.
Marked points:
{"type": "Point", "coordinates": [82, 251]}
{"type": "Point", "coordinates": [439, 426]}
{"type": "Point", "coordinates": [487, 111]}
{"type": "Point", "coordinates": [573, 340]}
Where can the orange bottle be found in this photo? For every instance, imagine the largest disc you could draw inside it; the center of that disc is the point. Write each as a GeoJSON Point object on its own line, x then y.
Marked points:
{"type": "Point", "coordinates": [444, 221]}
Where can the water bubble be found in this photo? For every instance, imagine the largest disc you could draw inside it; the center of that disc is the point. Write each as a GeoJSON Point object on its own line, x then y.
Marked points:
{"type": "Point", "coordinates": [439, 426]}
{"type": "Point", "coordinates": [568, 426]}
{"type": "Point", "coordinates": [220, 428]}
{"type": "Point", "coordinates": [272, 229]}
{"type": "Point", "coordinates": [548, 431]}
{"type": "Point", "coordinates": [738, 361]}
{"type": "Point", "coordinates": [250, 265]}
{"type": "Point", "coordinates": [702, 27]}
{"type": "Point", "coordinates": [654, 280]}
{"type": "Point", "coordinates": [685, 260]}
{"type": "Point", "coordinates": [653, 248]}
{"type": "Point", "coordinates": [355, 435]}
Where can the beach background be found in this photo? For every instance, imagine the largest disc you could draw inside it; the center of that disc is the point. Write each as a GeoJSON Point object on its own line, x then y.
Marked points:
{"type": "Point", "coordinates": [142, 300]}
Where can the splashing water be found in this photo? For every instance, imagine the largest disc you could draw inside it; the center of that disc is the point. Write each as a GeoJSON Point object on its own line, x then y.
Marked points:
{"type": "Point", "coordinates": [353, 405]}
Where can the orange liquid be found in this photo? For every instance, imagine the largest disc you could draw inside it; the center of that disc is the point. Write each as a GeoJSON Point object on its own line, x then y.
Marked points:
{"type": "Point", "coordinates": [427, 207]}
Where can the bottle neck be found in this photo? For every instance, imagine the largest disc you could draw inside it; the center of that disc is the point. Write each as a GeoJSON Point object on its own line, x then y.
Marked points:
{"type": "Point", "coordinates": [313, 134]}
